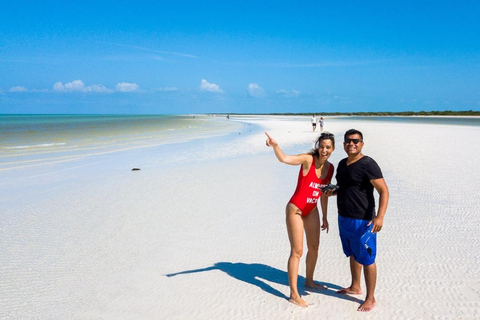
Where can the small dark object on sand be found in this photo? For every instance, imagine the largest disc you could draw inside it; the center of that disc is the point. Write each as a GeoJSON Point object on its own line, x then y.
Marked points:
{"type": "Point", "coordinates": [136, 169]}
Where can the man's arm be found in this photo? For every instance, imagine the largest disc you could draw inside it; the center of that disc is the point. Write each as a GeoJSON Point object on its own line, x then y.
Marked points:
{"type": "Point", "coordinates": [382, 189]}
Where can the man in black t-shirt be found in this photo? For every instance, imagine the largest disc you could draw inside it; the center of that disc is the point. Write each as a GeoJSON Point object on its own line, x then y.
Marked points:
{"type": "Point", "coordinates": [357, 176]}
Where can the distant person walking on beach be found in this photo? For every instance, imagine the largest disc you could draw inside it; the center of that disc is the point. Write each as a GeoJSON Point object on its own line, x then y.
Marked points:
{"type": "Point", "coordinates": [357, 176]}
{"type": "Point", "coordinates": [321, 122]}
{"type": "Point", "coordinates": [302, 212]}
{"type": "Point", "coordinates": [314, 122]}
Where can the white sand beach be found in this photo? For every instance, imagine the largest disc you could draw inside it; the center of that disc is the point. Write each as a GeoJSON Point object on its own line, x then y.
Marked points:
{"type": "Point", "coordinates": [201, 235]}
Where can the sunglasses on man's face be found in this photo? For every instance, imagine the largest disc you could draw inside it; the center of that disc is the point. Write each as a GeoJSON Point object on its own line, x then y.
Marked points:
{"type": "Point", "coordinates": [355, 141]}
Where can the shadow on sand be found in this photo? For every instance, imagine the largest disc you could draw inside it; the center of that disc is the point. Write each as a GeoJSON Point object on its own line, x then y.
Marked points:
{"type": "Point", "coordinates": [254, 273]}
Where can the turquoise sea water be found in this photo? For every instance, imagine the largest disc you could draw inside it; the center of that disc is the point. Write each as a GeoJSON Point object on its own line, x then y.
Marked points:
{"type": "Point", "coordinates": [34, 138]}
{"type": "Point", "coordinates": [42, 131]}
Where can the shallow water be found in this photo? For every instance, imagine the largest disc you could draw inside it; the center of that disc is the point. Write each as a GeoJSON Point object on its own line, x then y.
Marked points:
{"type": "Point", "coordinates": [27, 139]}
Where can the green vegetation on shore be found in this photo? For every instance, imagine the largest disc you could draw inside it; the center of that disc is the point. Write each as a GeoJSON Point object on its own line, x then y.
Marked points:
{"type": "Point", "coordinates": [403, 113]}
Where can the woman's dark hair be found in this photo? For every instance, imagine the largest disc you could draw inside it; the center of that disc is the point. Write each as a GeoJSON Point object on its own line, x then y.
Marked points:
{"type": "Point", "coordinates": [324, 136]}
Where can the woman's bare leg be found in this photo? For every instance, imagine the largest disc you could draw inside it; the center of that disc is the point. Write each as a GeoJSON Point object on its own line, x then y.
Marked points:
{"type": "Point", "coordinates": [311, 225]}
{"type": "Point", "coordinates": [295, 235]}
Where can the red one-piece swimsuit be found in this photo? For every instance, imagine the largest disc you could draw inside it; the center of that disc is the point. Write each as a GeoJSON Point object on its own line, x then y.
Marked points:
{"type": "Point", "coordinates": [308, 188]}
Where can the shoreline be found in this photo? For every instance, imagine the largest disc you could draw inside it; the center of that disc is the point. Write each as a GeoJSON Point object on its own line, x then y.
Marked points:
{"type": "Point", "coordinates": [100, 139]}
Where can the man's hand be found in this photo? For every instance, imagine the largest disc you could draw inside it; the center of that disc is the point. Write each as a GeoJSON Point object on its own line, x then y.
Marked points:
{"type": "Point", "coordinates": [325, 225]}
{"type": "Point", "coordinates": [377, 224]}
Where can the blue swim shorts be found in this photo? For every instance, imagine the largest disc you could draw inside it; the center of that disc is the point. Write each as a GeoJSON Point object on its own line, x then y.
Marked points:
{"type": "Point", "coordinates": [358, 240]}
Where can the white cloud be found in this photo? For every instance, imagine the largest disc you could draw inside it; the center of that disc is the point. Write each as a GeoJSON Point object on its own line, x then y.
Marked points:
{"type": "Point", "coordinates": [101, 89]}
{"type": "Point", "coordinates": [74, 86]}
{"type": "Point", "coordinates": [166, 89]}
{"type": "Point", "coordinates": [211, 87]}
{"type": "Point", "coordinates": [18, 89]}
{"type": "Point", "coordinates": [151, 50]}
{"type": "Point", "coordinates": [289, 93]}
{"type": "Point", "coordinates": [126, 87]}
{"type": "Point", "coordinates": [79, 86]}
{"type": "Point", "coordinates": [255, 90]}
{"type": "Point", "coordinates": [58, 86]}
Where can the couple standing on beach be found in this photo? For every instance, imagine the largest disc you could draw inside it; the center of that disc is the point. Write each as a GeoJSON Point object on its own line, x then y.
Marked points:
{"type": "Point", "coordinates": [314, 123]}
{"type": "Point", "coordinates": [357, 176]}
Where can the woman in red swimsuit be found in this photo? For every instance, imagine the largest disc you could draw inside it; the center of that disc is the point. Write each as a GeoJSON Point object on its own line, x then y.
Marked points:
{"type": "Point", "coordinates": [302, 212]}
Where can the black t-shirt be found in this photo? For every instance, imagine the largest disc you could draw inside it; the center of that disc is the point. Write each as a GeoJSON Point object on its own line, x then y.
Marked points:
{"type": "Point", "coordinates": [355, 195]}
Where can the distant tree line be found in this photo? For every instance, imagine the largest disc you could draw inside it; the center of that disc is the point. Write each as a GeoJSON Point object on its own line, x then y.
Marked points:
{"type": "Point", "coordinates": [402, 113]}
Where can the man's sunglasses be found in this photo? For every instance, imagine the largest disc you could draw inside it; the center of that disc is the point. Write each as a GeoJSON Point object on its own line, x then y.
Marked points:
{"type": "Point", "coordinates": [355, 141]}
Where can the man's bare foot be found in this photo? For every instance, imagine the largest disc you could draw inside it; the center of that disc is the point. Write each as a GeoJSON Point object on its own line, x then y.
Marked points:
{"type": "Point", "coordinates": [349, 290]}
{"type": "Point", "coordinates": [298, 301]}
{"type": "Point", "coordinates": [314, 285]}
{"type": "Point", "coordinates": [367, 306]}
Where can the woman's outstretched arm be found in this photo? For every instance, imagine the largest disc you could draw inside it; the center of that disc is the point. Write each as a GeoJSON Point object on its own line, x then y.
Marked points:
{"type": "Point", "coordinates": [282, 157]}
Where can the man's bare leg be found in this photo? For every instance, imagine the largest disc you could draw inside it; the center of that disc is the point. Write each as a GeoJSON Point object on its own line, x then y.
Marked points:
{"type": "Point", "coordinates": [356, 271]}
{"type": "Point", "coordinates": [370, 280]}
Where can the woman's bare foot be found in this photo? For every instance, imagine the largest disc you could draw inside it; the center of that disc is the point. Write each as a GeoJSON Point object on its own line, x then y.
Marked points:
{"type": "Point", "coordinates": [314, 285]}
{"type": "Point", "coordinates": [367, 306]}
{"type": "Point", "coordinates": [349, 290]}
{"type": "Point", "coordinates": [298, 301]}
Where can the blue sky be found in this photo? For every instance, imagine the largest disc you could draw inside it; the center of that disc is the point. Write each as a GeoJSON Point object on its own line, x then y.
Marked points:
{"type": "Point", "coordinates": [242, 56]}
